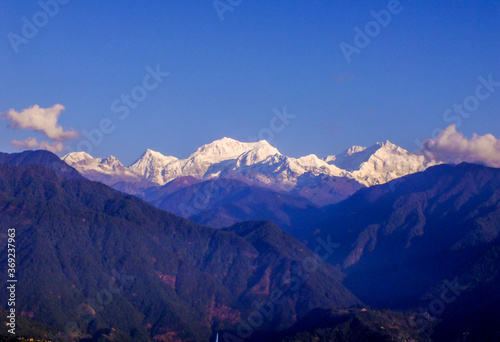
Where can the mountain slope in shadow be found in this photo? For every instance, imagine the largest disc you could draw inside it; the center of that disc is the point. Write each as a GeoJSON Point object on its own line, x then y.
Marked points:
{"type": "Point", "coordinates": [428, 241]}
{"type": "Point", "coordinates": [97, 264]}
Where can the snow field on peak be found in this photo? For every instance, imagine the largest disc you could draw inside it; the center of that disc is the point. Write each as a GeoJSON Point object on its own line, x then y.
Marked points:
{"type": "Point", "coordinates": [260, 162]}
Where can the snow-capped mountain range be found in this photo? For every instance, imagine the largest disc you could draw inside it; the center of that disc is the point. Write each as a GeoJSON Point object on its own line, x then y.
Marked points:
{"type": "Point", "coordinates": [258, 162]}
{"type": "Point", "coordinates": [379, 164]}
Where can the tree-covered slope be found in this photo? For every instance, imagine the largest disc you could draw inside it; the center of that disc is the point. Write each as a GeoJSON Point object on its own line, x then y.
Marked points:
{"type": "Point", "coordinates": [93, 262]}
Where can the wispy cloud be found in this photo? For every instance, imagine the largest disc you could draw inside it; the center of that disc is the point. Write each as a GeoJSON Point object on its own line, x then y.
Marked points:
{"type": "Point", "coordinates": [42, 120]}
{"type": "Point", "coordinates": [32, 143]}
{"type": "Point", "coordinates": [453, 147]}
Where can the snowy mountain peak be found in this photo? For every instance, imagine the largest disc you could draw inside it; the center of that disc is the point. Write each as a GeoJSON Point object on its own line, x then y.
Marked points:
{"type": "Point", "coordinates": [261, 151]}
{"type": "Point", "coordinates": [150, 165]}
{"type": "Point", "coordinates": [228, 149]}
{"type": "Point", "coordinates": [352, 158]}
{"type": "Point", "coordinates": [330, 159]}
{"type": "Point", "coordinates": [357, 150]}
{"type": "Point", "coordinates": [354, 149]}
{"type": "Point", "coordinates": [221, 155]}
{"type": "Point", "coordinates": [387, 145]}
{"type": "Point", "coordinates": [220, 147]}
{"type": "Point", "coordinates": [152, 153]}
{"type": "Point", "coordinates": [379, 163]}
{"type": "Point", "coordinates": [311, 160]}
{"type": "Point", "coordinates": [151, 156]}
{"type": "Point", "coordinates": [108, 171]}
{"type": "Point", "coordinates": [111, 161]}
{"type": "Point", "coordinates": [75, 157]}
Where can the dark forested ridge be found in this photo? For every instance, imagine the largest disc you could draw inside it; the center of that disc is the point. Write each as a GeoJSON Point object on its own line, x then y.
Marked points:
{"type": "Point", "coordinates": [96, 262]}
{"type": "Point", "coordinates": [40, 158]}
{"type": "Point", "coordinates": [223, 202]}
{"type": "Point", "coordinates": [428, 241]}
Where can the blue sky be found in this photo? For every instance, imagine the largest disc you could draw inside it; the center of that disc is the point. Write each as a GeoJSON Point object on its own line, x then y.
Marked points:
{"type": "Point", "coordinates": [227, 77]}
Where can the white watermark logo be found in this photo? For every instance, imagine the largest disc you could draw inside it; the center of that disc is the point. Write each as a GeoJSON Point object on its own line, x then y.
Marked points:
{"type": "Point", "coordinates": [371, 30]}
{"type": "Point", "coordinates": [223, 6]}
{"type": "Point", "coordinates": [31, 26]}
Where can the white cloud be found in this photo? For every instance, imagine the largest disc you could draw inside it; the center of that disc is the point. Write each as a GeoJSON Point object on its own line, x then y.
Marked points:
{"type": "Point", "coordinates": [41, 120]}
{"type": "Point", "coordinates": [33, 144]}
{"type": "Point", "coordinates": [453, 147]}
